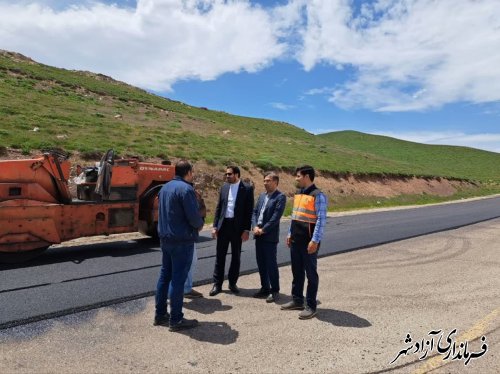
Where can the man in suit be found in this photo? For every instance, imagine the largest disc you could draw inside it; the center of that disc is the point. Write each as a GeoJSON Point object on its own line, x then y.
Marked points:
{"type": "Point", "coordinates": [232, 223]}
{"type": "Point", "coordinates": [266, 229]}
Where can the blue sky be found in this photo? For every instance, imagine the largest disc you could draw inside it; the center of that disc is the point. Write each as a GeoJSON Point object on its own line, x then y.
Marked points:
{"type": "Point", "coordinates": [421, 70]}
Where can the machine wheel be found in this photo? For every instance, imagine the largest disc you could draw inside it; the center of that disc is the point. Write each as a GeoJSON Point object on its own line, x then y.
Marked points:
{"type": "Point", "coordinates": [154, 232]}
{"type": "Point", "coordinates": [147, 206]}
{"type": "Point", "coordinates": [150, 230]}
{"type": "Point", "coordinates": [15, 257]}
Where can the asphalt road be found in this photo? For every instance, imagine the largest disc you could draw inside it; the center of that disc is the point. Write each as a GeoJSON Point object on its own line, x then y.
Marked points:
{"type": "Point", "coordinates": [66, 280]}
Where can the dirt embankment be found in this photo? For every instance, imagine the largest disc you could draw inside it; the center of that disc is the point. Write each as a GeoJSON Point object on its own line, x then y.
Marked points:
{"type": "Point", "coordinates": [209, 179]}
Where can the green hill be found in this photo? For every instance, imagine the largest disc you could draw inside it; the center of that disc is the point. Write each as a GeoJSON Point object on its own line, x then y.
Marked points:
{"type": "Point", "coordinates": [416, 158]}
{"type": "Point", "coordinates": [88, 113]}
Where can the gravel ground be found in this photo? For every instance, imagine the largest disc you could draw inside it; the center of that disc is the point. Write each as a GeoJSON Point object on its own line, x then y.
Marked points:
{"type": "Point", "coordinates": [370, 300]}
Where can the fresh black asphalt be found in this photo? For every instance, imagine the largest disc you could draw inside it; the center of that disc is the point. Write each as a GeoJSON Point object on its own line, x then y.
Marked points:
{"type": "Point", "coordinates": [67, 280]}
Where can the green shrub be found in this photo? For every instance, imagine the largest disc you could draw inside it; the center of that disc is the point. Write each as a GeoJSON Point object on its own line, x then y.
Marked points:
{"type": "Point", "coordinates": [264, 164]}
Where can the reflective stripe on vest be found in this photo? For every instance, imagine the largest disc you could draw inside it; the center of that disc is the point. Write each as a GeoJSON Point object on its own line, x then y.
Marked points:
{"type": "Point", "coordinates": [304, 209]}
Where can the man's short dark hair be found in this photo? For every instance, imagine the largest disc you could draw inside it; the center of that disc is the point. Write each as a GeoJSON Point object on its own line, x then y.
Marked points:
{"type": "Point", "coordinates": [182, 168]}
{"type": "Point", "coordinates": [235, 170]}
{"type": "Point", "coordinates": [306, 170]}
{"type": "Point", "coordinates": [275, 177]}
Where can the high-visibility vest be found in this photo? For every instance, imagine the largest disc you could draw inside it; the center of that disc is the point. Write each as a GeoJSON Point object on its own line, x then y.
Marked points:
{"type": "Point", "coordinates": [304, 209]}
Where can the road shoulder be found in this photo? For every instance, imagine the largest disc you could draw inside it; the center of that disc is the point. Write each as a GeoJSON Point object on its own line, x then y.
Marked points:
{"type": "Point", "coordinates": [370, 301]}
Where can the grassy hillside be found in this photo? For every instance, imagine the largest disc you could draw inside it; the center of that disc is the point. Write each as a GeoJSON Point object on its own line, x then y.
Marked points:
{"type": "Point", "coordinates": [87, 112]}
{"type": "Point", "coordinates": [435, 160]}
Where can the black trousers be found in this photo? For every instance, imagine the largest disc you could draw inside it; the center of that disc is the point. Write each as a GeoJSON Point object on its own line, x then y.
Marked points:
{"type": "Point", "coordinates": [265, 254]}
{"type": "Point", "coordinates": [304, 264]}
{"type": "Point", "coordinates": [228, 233]}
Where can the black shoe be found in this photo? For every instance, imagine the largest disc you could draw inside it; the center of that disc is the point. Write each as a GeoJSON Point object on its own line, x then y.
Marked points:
{"type": "Point", "coordinates": [162, 321]}
{"type": "Point", "coordinates": [234, 288]}
{"type": "Point", "coordinates": [307, 313]}
{"type": "Point", "coordinates": [261, 294]}
{"type": "Point", "coordinates": [272, 298]}
{"type": "Point", "coordinates": [193, 294]}
{"type": "Point", "coordinates": [292, 305]}
{"type": "Point", "coordinates": [184, 324]}
{"type": "Point", "coordinates": [215, 290]}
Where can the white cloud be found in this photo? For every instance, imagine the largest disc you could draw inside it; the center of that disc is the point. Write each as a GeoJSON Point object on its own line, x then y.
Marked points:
{"type": "Point", "coordinates": [319, 91]}
{"type": "Point", "coordinates": [406, 55]}
{"type": "Point", "coordinates": [282, 106]}
{"type": "Point", "coordinates": [152, 45]}
{"type": "Point", "coordinates": [409, 54]}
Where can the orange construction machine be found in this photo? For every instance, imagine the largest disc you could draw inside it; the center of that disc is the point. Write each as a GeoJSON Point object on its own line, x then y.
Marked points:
{"type": "Point", "coordinates": [37, 209]}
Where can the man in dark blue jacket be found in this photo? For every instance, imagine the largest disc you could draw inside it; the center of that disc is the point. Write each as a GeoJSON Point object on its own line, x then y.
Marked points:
{"type": "Point", "coordinates": [266, 229]}
{"type": "Point", "coordinates": [179, 222]}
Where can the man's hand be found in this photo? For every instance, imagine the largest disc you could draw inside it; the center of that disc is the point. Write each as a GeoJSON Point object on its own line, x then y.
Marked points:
{"type": "Point", "coordinates": [245, 236]}
{"type": "Point", "coordinates": [201, 204]}
{"type": "Point", "coordinates": [257, 231]}
{"type": "Point", "coordinates": [288, 241]}
{"type": "Point", "coordinates": [312, 247]}
{"type": "Point", "coordinates": [214, 233]}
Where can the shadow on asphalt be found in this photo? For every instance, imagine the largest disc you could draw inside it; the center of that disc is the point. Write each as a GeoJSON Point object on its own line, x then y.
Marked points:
{"type": "Point", "coordinates": [244, 292]}
{"type": "Point", "coordinates": [249, 292]}
{"type": "Point", "coordinates": [203, 238]}
{"type": "Point", "coordinates": [207, 306]}
{"type": "Point", "coordinates": [80, 253]}
{"type": "Point", "coordinates": [341, 318]}
{"type": "Point", "coordinates": [212, 332]}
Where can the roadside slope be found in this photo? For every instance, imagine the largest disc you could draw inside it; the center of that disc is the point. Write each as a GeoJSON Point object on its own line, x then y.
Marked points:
{"type": "Point", "coordinates": [87, 113]}
{"type": "Point", "coordinates": [370, 301]}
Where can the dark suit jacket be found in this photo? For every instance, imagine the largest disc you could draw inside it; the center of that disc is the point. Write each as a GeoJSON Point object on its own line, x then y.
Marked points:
{"type": "Point", "coordinates": [271, 217]}
{"type": "Point", "coordinates": [242, 209]}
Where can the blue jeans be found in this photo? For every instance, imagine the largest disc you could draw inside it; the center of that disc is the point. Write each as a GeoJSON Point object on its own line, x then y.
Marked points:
{"type": "Point", "coordinates": [303, 264]}
{"type": "Point", "coordinates": [265, 253]}
{"type": "Point", "coordinates": [176, 261]}
{"type": "Point", "coordinates": [188, 285]}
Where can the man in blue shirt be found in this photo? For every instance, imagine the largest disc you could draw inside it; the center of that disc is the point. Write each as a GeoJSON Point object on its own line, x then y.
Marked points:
{"type": "Point", "coordinates": [304, 238]}
{"type": "Point", "coordinates": [179, 222]}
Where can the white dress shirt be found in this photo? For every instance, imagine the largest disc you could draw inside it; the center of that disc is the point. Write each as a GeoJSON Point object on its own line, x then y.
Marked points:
{"type": "Point", "coordinates": [261, 214]}
{"type": "Point", "coordinates": [231, 199]}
